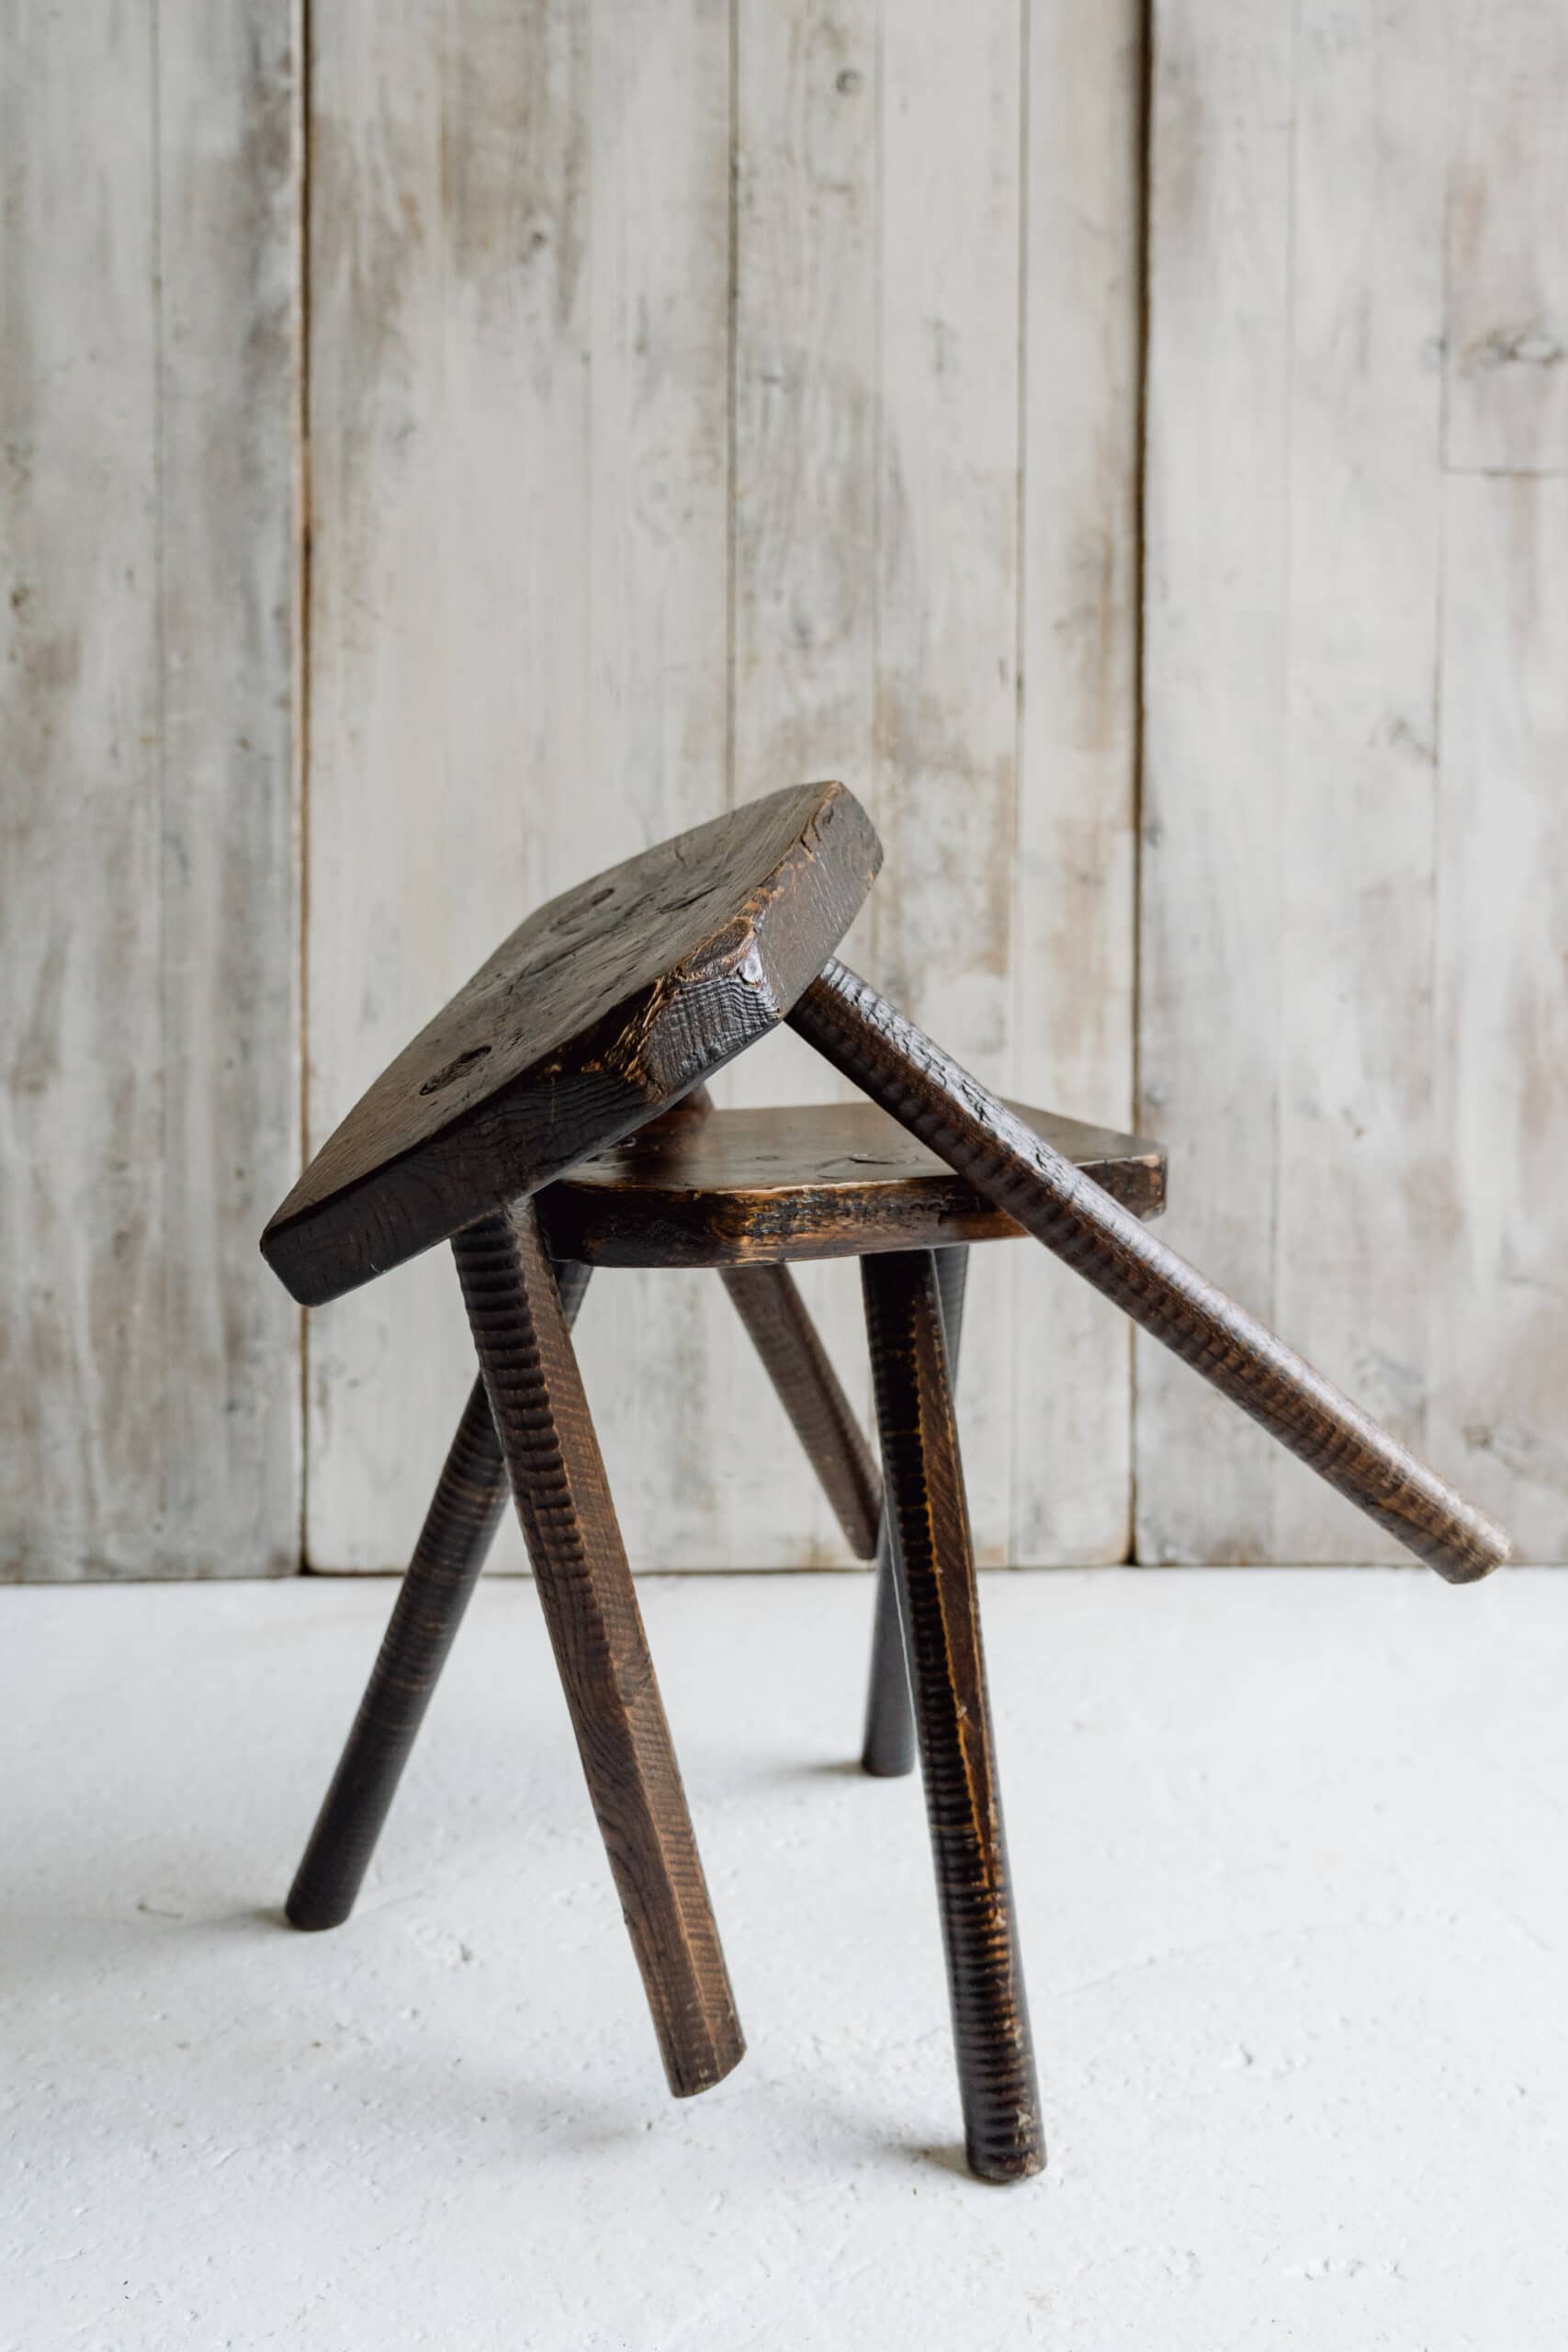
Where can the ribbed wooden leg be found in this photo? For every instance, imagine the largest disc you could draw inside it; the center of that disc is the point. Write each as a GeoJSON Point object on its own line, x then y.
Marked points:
{"type": "Point", "coordinates": [596, 1627]}
{"type": "Point", "coordinates": [782, 1331]}
{"type": "Point", "coordinates": [863, 1035]}
{"type": "Point", "coordinates": [924, 1484]}
{"type": "Point", "coordinates": [888, 1749]}
{"type": "Point", "coordinates": [453, 1546]}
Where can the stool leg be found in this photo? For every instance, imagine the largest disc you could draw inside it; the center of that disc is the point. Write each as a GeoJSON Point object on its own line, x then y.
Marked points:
{"type": "Point", "coordinates": [453, 1546]}
{"type": "Point", "coordinates": [887, 1751]}
{"type": "Point", "coordinates": [782, 1331]}
{"type": "Point", "coordinates": [863, 1037]}
{"type": "Point", "coordinates": [924, 1482]}
{"type": "Point", "coordinates": [595, 1626]}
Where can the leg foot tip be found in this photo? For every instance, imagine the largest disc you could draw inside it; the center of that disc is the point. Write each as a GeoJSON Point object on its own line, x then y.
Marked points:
{"type": "Point", "coordinates": [310, 1918]}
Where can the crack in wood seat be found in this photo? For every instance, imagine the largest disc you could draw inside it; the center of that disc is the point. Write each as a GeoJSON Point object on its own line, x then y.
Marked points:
{"type": "Point", "coordinates": [837, 1179]}
{"type": "Point", "coordinates": [600, 1011]}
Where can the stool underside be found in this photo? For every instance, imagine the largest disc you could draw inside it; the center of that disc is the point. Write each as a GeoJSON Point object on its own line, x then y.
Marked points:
{"type": "Point", "coordinates": [837, 1179]}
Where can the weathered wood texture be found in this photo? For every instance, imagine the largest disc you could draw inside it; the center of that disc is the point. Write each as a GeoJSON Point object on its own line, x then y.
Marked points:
{"type": "Point", "coordinates": [519, 398]}
{"type": "Point", "coordinates": [1332, 195]}
{"type": "Point", "coordinates": [557, 1481]}
{"type": "Point", "coordinates": [1074, 850]}
{"type": "Point", "coordinates": [1500, 1335]}
{"type": "Point", "coordinates": [910, 1075]}
{"type": "Point", "coordinates": [149, 401]}
{"type": "Point", "coordinates": [594, 1016]}
{"type": "Point", "coordinates": [840, 1180]}
{"type": "Point", "coordinates": [924, 1479]}
{"type": "Point", "coordinates": [1505, 339]}
{"type": "Point", "coordinates": [589, 567]}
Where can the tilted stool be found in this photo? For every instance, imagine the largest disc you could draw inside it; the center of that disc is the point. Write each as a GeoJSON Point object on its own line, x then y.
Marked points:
{"type": "Point", "coordinates": [551, 1119]}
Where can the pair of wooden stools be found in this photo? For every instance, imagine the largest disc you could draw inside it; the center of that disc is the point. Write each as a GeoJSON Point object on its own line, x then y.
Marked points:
{"type": "Point", "coordinates": [552, 1119]}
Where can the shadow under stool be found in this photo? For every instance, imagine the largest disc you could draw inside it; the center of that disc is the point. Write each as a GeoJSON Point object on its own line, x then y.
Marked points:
{"type": "Point", "coordinates": [554, 1119]}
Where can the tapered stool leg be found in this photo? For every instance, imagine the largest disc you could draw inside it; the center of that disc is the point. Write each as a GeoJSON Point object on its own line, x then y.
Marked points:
{"type": "Point", "coordinates": [923, 1480]}
{"type": "Point", "coordinates": [596, 1627]}
{"type": "Point", "coordinates": [867, 1040]}
{"type": "Point", "coordinates": [453, 1546]}
{"type": "Point", "coordinates": [887, 1751]}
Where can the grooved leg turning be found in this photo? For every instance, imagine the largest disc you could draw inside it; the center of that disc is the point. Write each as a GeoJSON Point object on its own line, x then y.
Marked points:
{"type": "Point", "coordinates": [865, 1038]}
{"type": "Point", "coordinates": [923, 1480]}
{"type": "Point", "coordinates": [782, 1331]}
{"type": "Point", "coordinates": [596, 1627]}
{"type": "Point", "coordinates": [453, 1545]}
{"type": "Point", "coordinates": [887, 1750]}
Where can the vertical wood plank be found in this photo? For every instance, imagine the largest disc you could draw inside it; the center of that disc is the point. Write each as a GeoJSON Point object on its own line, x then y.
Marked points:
{"type": "Point", "coordinates": [149, 385]}
{"type": "Point", "coordinates": [1357, 1155]}
{"type": "Point", "coordinates": [519, 646]}
{"type": "Point", "coordinates": [1075, 885]}
{"type": "Point", "coordinates": [388, 880]}
{"type": "Point", "coordinates": [230, 176]}
{"type": "Point", "coordinates": [1500, 1335]}
{"type": "Point", "coordinates": [946, 797]}
{"type": "Point", "coordinates": [1216, 650]}
{"type": "Point", "coordinates": [808, 103]}
{"type": "Point", "coordinates": [658, 268]}
{"type": "Point", "coordinates": [1315, 1007]}
{"type": "Point", "coordinates": [871, 545]}
{"type": "Point", "coordinates": [1507, 340]}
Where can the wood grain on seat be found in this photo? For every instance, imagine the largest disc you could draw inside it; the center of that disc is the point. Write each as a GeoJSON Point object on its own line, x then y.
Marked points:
{"type": "Point", "coordinates": [816, 1181]}
{"type": "Point", "coordinates": [600, 1010]}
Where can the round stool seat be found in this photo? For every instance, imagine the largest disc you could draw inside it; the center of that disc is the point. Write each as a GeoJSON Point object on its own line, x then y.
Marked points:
{"type": "Point", "coordinates": [814, 1180]}
{"type": "Point", "coordinates": [602, 1009]}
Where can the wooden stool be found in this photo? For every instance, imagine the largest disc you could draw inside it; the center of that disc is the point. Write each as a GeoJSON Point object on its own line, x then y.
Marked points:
{"type": "Point", "coordinates": [511, 1126]}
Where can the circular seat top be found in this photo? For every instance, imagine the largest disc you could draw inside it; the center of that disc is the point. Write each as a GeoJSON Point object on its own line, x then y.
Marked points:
{"type": "Point", "coordinates": [598, 1012]}
{"type": "Point", "coordinates": [839, 1180]}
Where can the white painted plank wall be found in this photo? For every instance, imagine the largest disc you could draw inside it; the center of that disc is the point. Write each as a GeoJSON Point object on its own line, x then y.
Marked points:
{"type": "Point", "coordinates": [1499, 1309]}
{"type": "Point", "coordinates": [149, 1111]}
{"type": "Point", "coordinates": [603, 544]}
{"type": "Point", "coordinates": [519, 396]}
{"type": "Point", "coordinates": [1506, 347]}
{"type": "Point", "coordinates": [706, 396]}
{"type": "Point", "coordinates": [1075, 851]}
{"type": "Point", "coordinates": [1350, 977]}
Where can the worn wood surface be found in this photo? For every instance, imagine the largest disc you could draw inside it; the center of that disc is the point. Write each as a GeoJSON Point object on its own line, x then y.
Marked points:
{"type": "Point", "coordinates": [585, 1589]}
{"type": "Point", "coordinates": [1352, 221]}
{"type": "Point", "coordinates": [520, 398]}
{"type": "Point", "coordinates": [528, 254]}
{"type": "Point", "coordinates": [812, 1181]}
{"type": "Point", "coordinates": [867, 1038]}
{"type": "Point", "coordinates": [596, 1012]}
{"type": "Point", "coordinates": [642, 397]}
{"type": "Point", "coordinates": [1074, 855]}
{"type": "Point", "coordinates": [1505, 340]}
{"type": "Point", "coordinates": [949, 637]}
{"type": "Point", "coordinates": [1499, 1337]}
{"type": "Point", "coordinates": [148, 1105]}
{"type": "Point", "coordinates": [924, 1481]}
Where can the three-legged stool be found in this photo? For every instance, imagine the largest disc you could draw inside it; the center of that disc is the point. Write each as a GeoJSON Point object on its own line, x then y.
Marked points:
{"type": "Point", "coordinates": [551, 1120]}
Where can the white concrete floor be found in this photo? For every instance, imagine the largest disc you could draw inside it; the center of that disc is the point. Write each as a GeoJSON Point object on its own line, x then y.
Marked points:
{"type": "Point", "coordinates": [1290, 1851]}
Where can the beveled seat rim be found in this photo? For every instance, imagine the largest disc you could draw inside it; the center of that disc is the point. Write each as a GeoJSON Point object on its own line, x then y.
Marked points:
{"type": "Point", "coordinates": [807, 1182]}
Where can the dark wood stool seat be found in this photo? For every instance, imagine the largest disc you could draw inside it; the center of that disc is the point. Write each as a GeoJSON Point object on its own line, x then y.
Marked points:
{"type": "Point", "coordinates": [837, 1180]}
{"type": "Point", "coordinates": [597, 1013]}
{"type": "Point", "coordinates": [553, 1118]}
